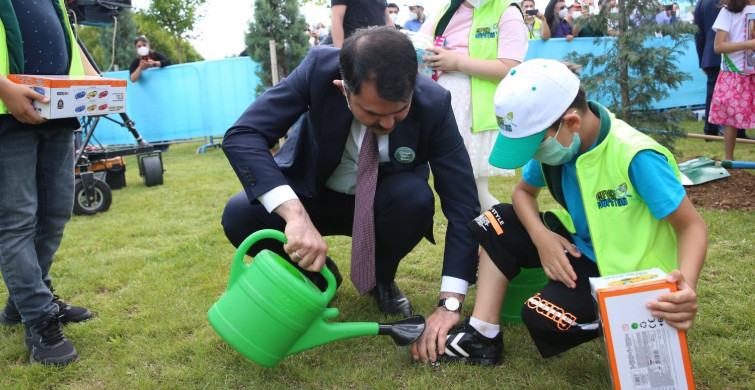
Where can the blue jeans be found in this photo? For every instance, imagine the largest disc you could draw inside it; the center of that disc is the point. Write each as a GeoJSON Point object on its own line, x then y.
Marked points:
{"type": "Point", "coordinates": [36, 200]}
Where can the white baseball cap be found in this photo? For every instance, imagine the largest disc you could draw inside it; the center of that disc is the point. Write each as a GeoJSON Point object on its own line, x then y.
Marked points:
{"type": "Point", "coordinates": [528, 100]}
{"type": "Point", "coordinates": [416, 3]}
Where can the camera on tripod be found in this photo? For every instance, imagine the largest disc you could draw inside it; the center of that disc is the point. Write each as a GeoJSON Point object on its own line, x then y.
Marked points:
{"type": "Point", "coordinates": [97, 12]}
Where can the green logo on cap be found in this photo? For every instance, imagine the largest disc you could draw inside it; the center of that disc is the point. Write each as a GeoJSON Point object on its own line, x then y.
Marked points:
{"type": "Point", "coordinates": [404, 155]}
{"type": "Point", "coordinates": [506, 123]}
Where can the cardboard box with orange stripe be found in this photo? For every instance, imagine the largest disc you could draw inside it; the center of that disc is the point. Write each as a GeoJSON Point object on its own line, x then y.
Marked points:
{"type": "Point", "coordinates": [72, 96]}
{"type": "Point", "coordinates": [643, 351]}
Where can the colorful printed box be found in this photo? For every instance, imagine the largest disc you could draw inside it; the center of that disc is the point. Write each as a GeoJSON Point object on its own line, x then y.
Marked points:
{"type": "Point", "coordinates": [72, 96]}
{"type": "Point", "coordinates": [643, 352]}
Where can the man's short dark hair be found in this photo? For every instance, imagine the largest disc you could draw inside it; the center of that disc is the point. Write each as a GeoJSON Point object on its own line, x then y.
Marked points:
{"type": "Point", "coordinates": [380, 55]}
{"type": "Point", "coordinates": [392, 5]}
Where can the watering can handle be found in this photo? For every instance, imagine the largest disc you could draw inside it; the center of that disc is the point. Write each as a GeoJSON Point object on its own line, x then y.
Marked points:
{"type": "Point", "coordinates": [238, 259]}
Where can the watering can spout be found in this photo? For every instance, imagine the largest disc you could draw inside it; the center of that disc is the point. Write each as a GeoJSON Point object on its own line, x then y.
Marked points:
{"type": "Point", "coordinates": [323, 332]}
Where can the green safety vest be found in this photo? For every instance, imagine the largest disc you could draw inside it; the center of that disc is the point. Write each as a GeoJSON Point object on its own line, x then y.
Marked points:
{"type": "Point", "coordinates": [483, 44]}
{"type": "Point", "coordinates": [536, 31]}
{"type": "Point", "coordinates": [11, 46]}
{"type": "Point", "coordinates": [625, 235]}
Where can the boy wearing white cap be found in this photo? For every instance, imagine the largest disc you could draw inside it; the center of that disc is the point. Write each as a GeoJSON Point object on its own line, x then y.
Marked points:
{"type": "Point", "coordinates": [624, 209]}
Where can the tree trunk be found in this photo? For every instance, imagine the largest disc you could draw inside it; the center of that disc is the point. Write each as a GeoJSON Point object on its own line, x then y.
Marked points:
{"type": "Point", "coordinates": [624, 65]}
{"type": "Point", "coordinates": [178, 49]}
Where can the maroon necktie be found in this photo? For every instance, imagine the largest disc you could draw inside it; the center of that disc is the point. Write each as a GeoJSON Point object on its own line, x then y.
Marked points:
{"type": "Point", "coordinates": [363, 232]}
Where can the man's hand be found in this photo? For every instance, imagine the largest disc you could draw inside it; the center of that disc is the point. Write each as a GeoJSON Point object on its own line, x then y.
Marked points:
{"type": "Point", "coordinates": [305, 244]}
{"type": "Point", "coordinates": [552, 249]}
{"type": "Point", "coordinates": [17, 98]}
{"type": "Point", "coordinates": [677, 308]}
{"type": "Point", "coordinates": [433, 340]}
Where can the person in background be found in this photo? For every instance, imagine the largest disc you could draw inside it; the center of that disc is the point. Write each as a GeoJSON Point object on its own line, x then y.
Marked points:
{"type": "Point", "coordinates": [706, 12]}
{"type": "Point", "coordinates": [573, 14]}
{"type": "Point", "coordinates": [536, 24]}
{"type": "Point", "coordinates": [148, 58]}
{"type": "Point", "coordinates": [586, 23]}
{"type": "Point", "coordinates": [36, 175]}
{"type": "Point", "coordinates": [470, 67]}
{"type": "Point", "coordinates": [646, 221]}
{"type": "Point", "coordinates": [312, 36]}
{"type": "Point", "coordinates": [392, 9]}
{"type": "Point", "coordinates": [322, 32]}
{"type": "Point", "coordinates": [349, 15]}
{"type": "Point", "coordinates": [555, 14]}
{"type": "Point", "coordinates": [730, 105]}
{"type": "Point", "coordinates": [666, 16]}
{"type": "Point", "coordinates": [416, 16]}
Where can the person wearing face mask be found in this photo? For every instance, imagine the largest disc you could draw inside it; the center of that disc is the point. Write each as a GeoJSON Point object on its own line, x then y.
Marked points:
{"type": "Point", "coordinates": [536, 24]}
{"type": "Point", "coordinates": [392, 9]}
{"type": "Point", "coordinates": [369, 91]}
{"type": "Point", "coordinates": [148, 58]}
{"type": "Point", "coordinates": [615, 217]}
{"type": "Point", "coordinates": [416, 16]}
{"type": "Point", "coordinates": [556, 13]}
{"type": "Point", "coordinates": [666, 16]}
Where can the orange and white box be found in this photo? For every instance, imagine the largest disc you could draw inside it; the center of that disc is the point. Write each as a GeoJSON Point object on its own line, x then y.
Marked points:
{"type": "Point", "coordinates": [72, 96]}
{"type": "Point", "coordinates": [643, 351]}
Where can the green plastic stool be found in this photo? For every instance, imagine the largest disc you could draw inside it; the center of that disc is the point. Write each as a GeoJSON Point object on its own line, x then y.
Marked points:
{"type": "Point", "coordinates": [521, 288]}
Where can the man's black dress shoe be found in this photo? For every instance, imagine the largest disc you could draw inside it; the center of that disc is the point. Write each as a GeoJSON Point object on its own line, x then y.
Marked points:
{"type": "Point", "coordinates": [391, 300]}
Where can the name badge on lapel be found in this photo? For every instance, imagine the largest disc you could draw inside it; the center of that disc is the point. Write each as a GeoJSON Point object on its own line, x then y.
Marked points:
{"type": "Point", "coordinates": [404, 155]}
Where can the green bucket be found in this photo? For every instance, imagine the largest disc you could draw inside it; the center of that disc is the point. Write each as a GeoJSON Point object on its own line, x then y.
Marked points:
{"type": "Point", "coordinates": [521, 288]}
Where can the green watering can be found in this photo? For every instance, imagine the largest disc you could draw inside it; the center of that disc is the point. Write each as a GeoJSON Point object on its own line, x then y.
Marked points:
{"type": "Point", "coordinates": [271, 310]}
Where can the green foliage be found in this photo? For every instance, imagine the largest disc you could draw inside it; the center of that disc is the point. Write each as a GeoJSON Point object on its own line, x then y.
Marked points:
{"type": "Point", "coordinates": [160, 40]}
{"type": "Point", "coordinates": [125, 32]}
{"type": "Point", "coordinates": [177, 17]}
{"type": "Point", "coordinates": [280, 21]}
{"type": "Point", "coordinates": [98, 41]}
{"type": "Point", "coordinates": [636, 69]}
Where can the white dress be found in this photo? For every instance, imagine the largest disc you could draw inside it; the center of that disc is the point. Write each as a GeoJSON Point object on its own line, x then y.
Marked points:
{"type": "Point", "coordinates": [478, 144]}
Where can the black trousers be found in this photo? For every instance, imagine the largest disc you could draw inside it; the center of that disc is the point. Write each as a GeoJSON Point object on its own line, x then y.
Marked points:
{"type": "Point", "coordinates": [558, 318]}
{"type": "Point", "coordinates": [712, 73]}
{"type": "Point", "coordinates": [404, 208]}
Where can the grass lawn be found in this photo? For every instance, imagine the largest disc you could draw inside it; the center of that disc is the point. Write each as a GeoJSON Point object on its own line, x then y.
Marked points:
{"type": "Point", "coordinates": [152, 266]}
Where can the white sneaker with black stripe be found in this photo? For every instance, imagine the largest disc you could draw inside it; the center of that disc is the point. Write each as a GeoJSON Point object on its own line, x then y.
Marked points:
{"type": "Point", "coordinates": [465, 343]}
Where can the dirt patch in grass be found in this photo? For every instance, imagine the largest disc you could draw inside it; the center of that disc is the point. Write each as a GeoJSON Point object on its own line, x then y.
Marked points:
{"type": "Point", "coordinates": [734, 192]}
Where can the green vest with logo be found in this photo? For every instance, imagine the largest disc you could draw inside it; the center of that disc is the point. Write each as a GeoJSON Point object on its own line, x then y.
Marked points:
{"type": "Point", "coordinates": [482, 44]}
{"type": "Point", "coordinates": [625, 235]}
{"type": "Point", "coordinates": [12, 49]}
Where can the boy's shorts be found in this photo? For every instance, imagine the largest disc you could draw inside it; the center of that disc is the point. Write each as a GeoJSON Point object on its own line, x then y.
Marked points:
{"type": "Point", "coordinates": [558, 318]}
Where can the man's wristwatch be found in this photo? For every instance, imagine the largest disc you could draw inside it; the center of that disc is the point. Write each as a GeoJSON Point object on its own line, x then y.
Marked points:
{"type": "Point", "coordinates": [451, 304]}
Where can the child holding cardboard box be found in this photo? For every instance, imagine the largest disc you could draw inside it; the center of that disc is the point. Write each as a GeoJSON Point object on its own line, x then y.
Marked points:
{"type": "Point", "coordinates": [624, 210]}
{"type": "Point", "coordinates": [36, 174]}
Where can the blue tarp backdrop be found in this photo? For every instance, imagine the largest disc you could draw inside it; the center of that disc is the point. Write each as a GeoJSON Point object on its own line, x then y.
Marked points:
{"type": "Point", "coordinates": [205, 98]}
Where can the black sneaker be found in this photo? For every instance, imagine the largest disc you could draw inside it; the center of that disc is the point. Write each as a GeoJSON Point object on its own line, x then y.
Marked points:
{"type": "Point", "coordinates": [48, 345]}
{"type": "Point", "coordinates": [67, 313]}
{"type": "Point", "coordinates": [465, 343]}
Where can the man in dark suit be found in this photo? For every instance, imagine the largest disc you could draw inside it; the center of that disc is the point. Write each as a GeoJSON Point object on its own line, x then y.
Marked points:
{"type": "Point", "coordinates": [343, 96]}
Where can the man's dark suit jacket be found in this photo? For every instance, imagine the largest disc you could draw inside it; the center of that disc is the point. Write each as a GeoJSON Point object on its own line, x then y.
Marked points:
{"type": "Point", "coordinates": [315, 146]}
{"type": "Point", "coordinates": [706, 13]}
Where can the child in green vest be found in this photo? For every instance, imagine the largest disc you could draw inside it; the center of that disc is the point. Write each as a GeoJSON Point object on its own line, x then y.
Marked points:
{"type": "Point", "coordinates": [624, 209]}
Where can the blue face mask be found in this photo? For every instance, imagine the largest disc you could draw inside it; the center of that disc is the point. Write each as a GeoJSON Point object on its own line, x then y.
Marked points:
{"type": "Point", "coordinates": [551, 152]}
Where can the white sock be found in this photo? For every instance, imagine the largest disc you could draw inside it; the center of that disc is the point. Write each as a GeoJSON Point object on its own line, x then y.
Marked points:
{"type": "Point", "coordinates": [487, 330]}
{"type": "Point", "coordinates": [487, 200]}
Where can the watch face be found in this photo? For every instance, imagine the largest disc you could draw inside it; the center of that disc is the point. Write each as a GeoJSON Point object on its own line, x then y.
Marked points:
{"type": "Point", "coordinates": [452, 304]}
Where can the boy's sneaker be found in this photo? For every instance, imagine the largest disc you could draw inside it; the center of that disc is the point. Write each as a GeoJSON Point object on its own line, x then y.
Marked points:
{"type": "Point", "coordinates": [67, 313]}
{"type": "Point", "coordinates": [464, 342]}
{"type": "Point", "coordinates": [48, 345]}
